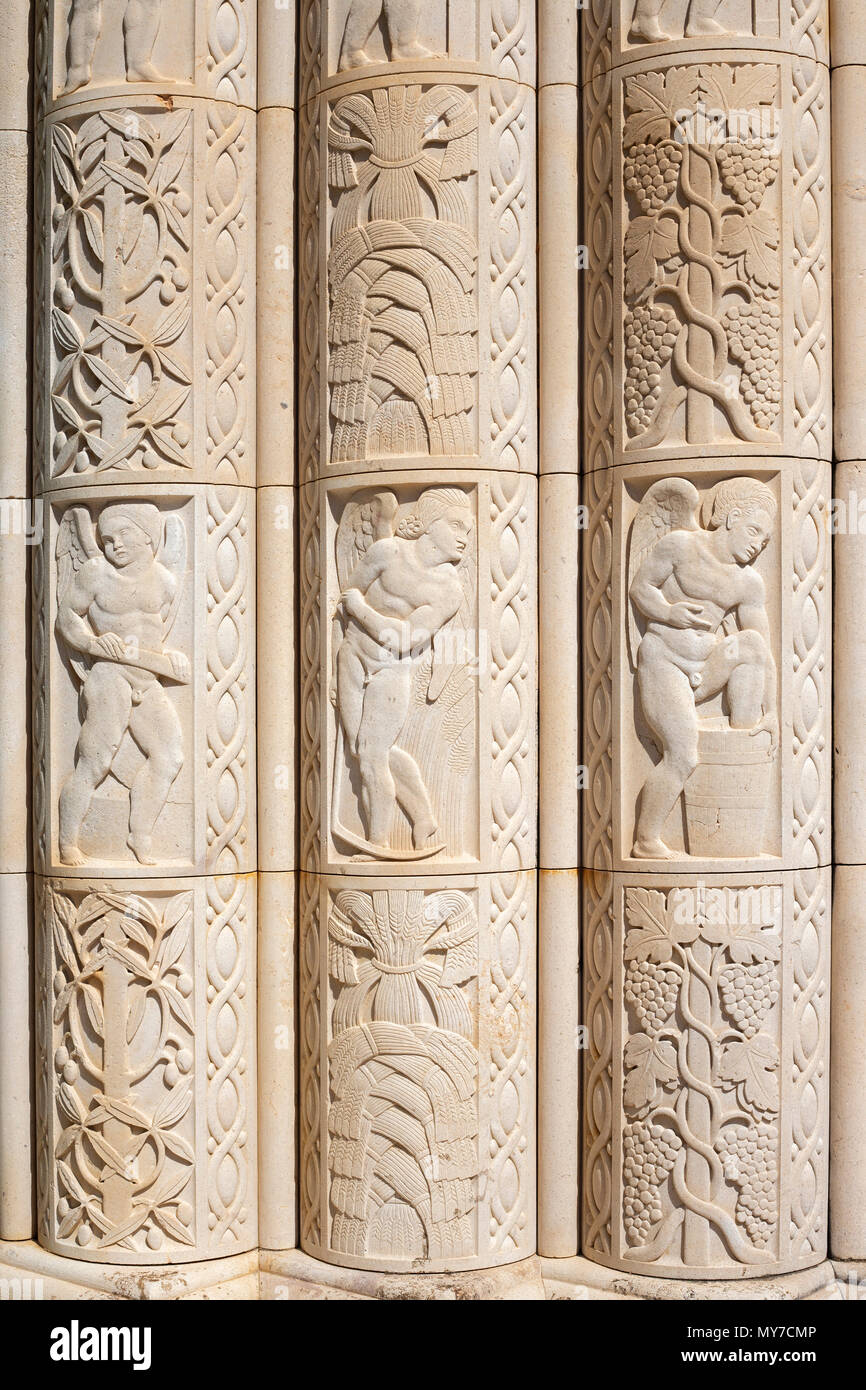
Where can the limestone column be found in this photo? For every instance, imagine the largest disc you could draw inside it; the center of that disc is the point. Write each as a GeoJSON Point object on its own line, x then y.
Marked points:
{"type": "Point", "coordinates": [847, 1114]}
{"type": "Point", "coordinates": [559, 739]}
{"type": "Point", "coordinates": [19, 528]}
{"type": "Point", "coordinates": [144, 638]}
{"type": "Point", "coordinates": [417, 502]}
{"type": "Point", "coordinates": [276, 628]}
{"type": "Point", "coordinates": [707, 438]}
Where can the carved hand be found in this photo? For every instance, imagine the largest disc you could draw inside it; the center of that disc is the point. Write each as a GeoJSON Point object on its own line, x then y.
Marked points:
{"type": "Point", "coordinates": [109, 645]}
{"type": "Point", "coordinates": [769, 724]}
{"type": "Point", "coordinates": [353, 603]}
{"type": "Point", "coordinates": [687, 615]}
{"type": "Point", "coordinates": [179, 665]}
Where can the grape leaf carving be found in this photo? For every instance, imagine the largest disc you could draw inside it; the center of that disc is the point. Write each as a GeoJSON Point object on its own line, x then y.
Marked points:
{"type": "Point", "coordinates": [651, 1063]}
{"type": "Point", "coordinates": [655, 100]}
{"type": "Point", "coordinates": [647, 241]}
{"type": "Point", "coordinates": [753, 239]}
{"type": "Point", "coordinates": [657, 925]}
{"type": "Point", "coordinates": [751, 1067]}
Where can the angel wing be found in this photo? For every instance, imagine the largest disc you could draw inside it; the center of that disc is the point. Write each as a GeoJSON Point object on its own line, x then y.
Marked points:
{"type": "Point", "coordinates": [361, 524]}
{"type": "Point", "coordinates": [76, 544]}
{"type": "Point", "coordinates": [671, 504]}
{"type": "Point", "coordinates": [172, 554]}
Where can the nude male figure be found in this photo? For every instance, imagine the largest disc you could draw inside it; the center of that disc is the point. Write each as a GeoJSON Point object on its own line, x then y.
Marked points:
{"type": "Point", "coordinates": [140, 27]}
{"type": "Point", "coordinates": [402, 19]}
{"type": "Point", "coordinates": [691, 582]}
{"type": "Point", "coordinates": [114, 612]}
{"type": "Point", "coordinates": [645, 27]}
{"type": "Point", "coordinates": [400, 595]}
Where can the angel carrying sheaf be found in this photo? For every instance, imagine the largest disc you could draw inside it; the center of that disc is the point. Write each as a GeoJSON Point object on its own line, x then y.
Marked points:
{"type": "Point", "coordinates": [118, 592]}
{"type": "Point", "coordinates": [702, 608]}
{"type": "Point", "coordinates": [407, 576]}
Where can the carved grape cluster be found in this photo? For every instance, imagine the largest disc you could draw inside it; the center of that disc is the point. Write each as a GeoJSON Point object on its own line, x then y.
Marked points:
{"type": "Point", "coordinates": [652, 993]}
{"type": "Point", "coordinates": [749, 1154]}
{"type": "Point", "coordinates": [748, 993]}
{"type": "Point", "coordinates": [651, 173]}
{"type": "Point", "coordinates": [650, 337]}
{"type": "Point", "coordinates": [753, 334]}
{"type": "Point", "coordinates": [747, 169]}
{"type": "Point", "coordinates": [649, 1152]}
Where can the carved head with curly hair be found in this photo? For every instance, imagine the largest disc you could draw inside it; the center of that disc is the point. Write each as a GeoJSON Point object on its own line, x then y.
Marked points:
{"type": "Point", "coordinates": [746, 509]}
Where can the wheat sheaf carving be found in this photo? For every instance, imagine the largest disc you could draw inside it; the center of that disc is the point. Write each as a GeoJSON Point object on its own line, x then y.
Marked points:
{"type": "Point", "coordinates": [401, 273]}
{"type": "Point", "coordinates": [403, 1121]}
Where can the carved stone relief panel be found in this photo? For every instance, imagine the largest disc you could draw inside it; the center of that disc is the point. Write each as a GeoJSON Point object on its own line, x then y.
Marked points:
{"type": "Point", "coordinates": [706, 1098]}
{"type": "Point", "coordinates": [708, 728]}
{"type": "Point", "coordinates": [616, 31]}
{"type": "Point", "coordinates": [712, 183]}
{"type": "Point", "coordinates": [146, 1069]}
{"type": "Point", "coordinates": [416, 267]}
{"type": "Point", "coordinates": [417, 1107]}
{"type": "Point", "coordinates": [143, 639]}
{"type": "Point", "coordinates": [203, 46]}
{"type": "Point", "coordinates": [146, 284]}
{"type": "Point", "coordinates": [419, 636]}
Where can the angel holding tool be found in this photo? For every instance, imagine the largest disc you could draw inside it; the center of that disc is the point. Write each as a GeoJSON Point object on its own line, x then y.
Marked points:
{"type": "Point", "coordinates": [402, 579]}
{"type": "Point", "coordinates": [118, 591]}
{"type": "Point", "coordinates": [706, 628]}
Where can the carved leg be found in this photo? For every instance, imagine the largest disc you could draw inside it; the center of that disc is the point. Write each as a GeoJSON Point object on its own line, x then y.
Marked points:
{"type": "Point", "coordinates": [107, 701]}
{"type": "Point", "coordinates": [403, 16]}
{"type": "Point", "coordinates": [85, 26]}
{"type": "Point", "coordinates": [645, 26]}
{"type": "Point", "coordinates": [156, 729]}
{"type": "Point", "coordinates": [140, 28]}
{"type": "Point", "coordinates": [360, 23]}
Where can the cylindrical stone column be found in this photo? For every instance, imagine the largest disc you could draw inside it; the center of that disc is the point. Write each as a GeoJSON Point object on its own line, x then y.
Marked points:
{"type": "Point", "coordinates": [417, 462]}
{"type": "Point", "coordinates": [144, 636]}
{"type": "Point", "coordinates": [706, 636]}
{"type": "Point", "coordinates": [848, 1073]}
{"type": "Point", "coordinates": [559, 263]}
{"type": "Point", "coordinates": [19, 530]}
{"type": "Point", "coordinates": [276, 634]}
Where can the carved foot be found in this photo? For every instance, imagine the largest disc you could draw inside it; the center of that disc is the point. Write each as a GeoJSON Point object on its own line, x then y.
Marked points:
{"type": "Point", "coordinates": [408, 51]}
{"type": "Point", "coordinates": [142, 848]}
{"type": "Point", "coordinates": [75, 78]}
{"type": "Point", "coordinates": [72, 856]}
{"type": "Point", "coordinates": [143, 72]}
{"type": "Point", "coordinates": [424, 834]}
{"type": "Point", "coordinates": [652, 849]}
{"type": "Point", "coordinates": [647, 31]}
{"type": "Point", "coordinates": [697, 28]}
{"type": "Point", "coordinates": [358, 58]}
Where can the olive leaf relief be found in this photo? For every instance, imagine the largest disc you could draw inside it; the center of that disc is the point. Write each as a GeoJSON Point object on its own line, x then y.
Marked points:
{"type": "Point", "coordinates": [702, 253]}
{"type": "Point", "coordinates": [123, 1029]}
{"type": "Point", "coordinates": [701, 1066]}
{"type": "Point", "coordinates": [121, 252]}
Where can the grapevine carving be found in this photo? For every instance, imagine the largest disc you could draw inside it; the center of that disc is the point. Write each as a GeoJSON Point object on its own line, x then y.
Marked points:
{"type": "Point", "coordinates": [702, 258]}
{"type": "Point", "coordinates": [701, 1088]}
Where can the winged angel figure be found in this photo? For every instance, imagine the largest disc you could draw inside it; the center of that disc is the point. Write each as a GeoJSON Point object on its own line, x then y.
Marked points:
{"type": "Point", "coordinates": [406, 577]}
{"type": "Point", "coordinates": [118, 591]}
{"type": "Point", "coordinates": [703, 607]}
